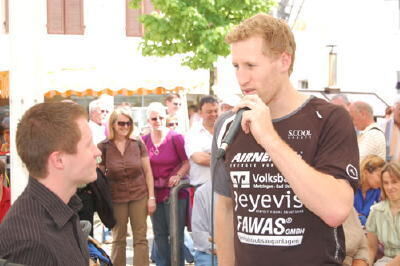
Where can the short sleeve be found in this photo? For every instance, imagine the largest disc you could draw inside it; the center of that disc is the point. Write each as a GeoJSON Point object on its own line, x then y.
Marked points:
{"type": "Point", "coordinates": [218, 169]}
{"type": "Point", "coordinates": [337, 153]}
{"type": "Point", "coordinates": [362, 252]}
{"type": "Point", "coordinates": [179, 142]}
{"type": "Point", "coordinates": [371, 225]}
{"type": "Point", "coordinates": [192, 143]}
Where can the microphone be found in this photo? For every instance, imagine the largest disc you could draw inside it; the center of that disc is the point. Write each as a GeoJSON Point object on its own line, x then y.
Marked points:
{"type": "Point", "coordinates": [232, 131]}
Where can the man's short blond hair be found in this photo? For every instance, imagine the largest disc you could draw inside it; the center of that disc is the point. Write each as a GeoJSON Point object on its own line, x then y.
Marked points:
{"type": "Point", "coordinates": [277, 36]}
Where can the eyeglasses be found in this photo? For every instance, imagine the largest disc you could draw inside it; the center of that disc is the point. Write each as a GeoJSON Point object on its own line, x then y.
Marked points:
{"type": "Point", "coordinates": [172, 124]}
{"type": "Point", "coordinates": [157, 118]}
{"type": "Point", "coordinates": [177, 104]}
{"type": "Point", "coordinates": [123, 124]}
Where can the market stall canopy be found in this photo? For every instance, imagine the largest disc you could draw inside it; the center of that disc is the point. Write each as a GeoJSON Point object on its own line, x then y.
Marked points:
{"type": "Point", "coordinates": [94, 82]}
{"type": "Point", "coordinates": [4, 84]}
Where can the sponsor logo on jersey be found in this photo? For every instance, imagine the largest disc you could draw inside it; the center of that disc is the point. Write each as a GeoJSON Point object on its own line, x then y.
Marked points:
{"type": "Point", "coordinates": [251, 157]}
{"type": "Point", "coordinates": [352, 171]}
{"type": "Point", "coordinates": [299, 134]}
{"type": "Point", "coordinates": [240, 179]}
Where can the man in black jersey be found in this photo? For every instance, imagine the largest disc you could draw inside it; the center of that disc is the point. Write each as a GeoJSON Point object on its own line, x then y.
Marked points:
{"type": "Point", "coordinates": [287, 181]}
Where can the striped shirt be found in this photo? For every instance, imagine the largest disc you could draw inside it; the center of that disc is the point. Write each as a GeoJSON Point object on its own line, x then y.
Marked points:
{"type": "Point", "coordinates": [372, 141]}
{"type": "Point", "coordinates": [40, 229]}
{"type": "Point", "coordinates": [386, 227]}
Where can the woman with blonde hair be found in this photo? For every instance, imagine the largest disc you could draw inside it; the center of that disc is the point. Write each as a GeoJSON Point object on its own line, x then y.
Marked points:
{"type": "Point", "coordinates": [126, 164]}
{"type": "Point", "coordinates": [369, 191]}
{"type": "Point", "coordinates": [383, 224]}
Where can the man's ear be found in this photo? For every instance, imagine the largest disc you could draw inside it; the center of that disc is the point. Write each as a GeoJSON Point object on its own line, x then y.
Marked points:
{"type": "Point", "coordinates": [56, 160]}
{"type": "Point", "coordinates": [286, 61]}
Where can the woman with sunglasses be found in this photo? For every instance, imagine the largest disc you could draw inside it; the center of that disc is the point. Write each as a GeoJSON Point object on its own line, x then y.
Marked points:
{"type": "Point", "coordinates": [172, 122]}
{"type": "Point", "coordinates": [383, 224]}
{"type": "Point", "coordinates": [126, 164]}
{"type": "Point", "coordinates": [169, 164]}
{"type": "Point", "coordinates": [369, 191]}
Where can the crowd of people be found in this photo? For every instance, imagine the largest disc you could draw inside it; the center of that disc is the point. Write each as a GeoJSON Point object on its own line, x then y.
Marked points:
{"type": "Point", "coordinates": [304, 182]}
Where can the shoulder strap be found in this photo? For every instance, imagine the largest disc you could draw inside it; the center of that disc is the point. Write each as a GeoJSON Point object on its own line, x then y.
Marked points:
{"type": "Point", "coordinates": [376, 128]}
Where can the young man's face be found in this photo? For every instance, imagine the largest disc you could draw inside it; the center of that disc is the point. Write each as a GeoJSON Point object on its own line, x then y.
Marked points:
{"type": "Point", "coordinates": [81, 166]}
{"type": "Point", "coordinates": [256, 73]}
{"type": "Point", "coordinates": [174, 105]}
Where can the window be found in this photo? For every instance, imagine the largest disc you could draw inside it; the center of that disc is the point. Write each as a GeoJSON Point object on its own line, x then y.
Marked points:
{"type": "Point", "coordinates": [65, 17]}
{"type": "Point", "coordinates": [133, 27]}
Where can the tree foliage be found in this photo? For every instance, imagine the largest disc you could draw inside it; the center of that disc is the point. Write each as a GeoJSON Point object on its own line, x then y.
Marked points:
{"type": "Point", "coordinates": [195, 28]}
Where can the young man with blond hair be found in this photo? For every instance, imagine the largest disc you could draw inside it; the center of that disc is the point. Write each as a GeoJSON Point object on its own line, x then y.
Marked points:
{"type": "Point", "coordinates": [42, 227]}
{"type": "Point", "coordinates": [287, 181]}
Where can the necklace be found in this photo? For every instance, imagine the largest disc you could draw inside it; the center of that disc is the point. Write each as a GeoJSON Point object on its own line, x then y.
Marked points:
{"type": "Point", "coordinates": [155, 150]}
{"type": "Point", "coordinates": [159, 140]}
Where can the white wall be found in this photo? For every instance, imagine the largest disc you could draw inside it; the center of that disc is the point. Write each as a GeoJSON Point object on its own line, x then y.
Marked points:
{"type": "Point", "coordinates": [108, 58]}
{"type": "Point", "coordinates": [367, 36]}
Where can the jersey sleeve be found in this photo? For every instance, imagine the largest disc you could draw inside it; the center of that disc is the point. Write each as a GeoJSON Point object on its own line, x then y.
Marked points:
{"type": "Point", "coordinates": [337, 153]}
{"type": "Point", "coordinates": [218, 169]}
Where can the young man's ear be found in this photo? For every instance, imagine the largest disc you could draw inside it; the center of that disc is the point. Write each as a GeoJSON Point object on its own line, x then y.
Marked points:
{"type": "Point", "coordinates": [56, 160]}
{"type": "Point", "coordinates": [286, 61]}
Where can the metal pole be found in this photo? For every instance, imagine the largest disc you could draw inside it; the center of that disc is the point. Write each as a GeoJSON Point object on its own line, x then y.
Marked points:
{"type": "Point", "coordinates": [332, 78]}
{"type": "Point", "coordinates": [174, 222]}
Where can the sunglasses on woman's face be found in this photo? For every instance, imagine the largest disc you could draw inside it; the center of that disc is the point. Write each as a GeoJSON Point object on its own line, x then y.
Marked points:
{"type": "Point", "coordinates": [124, 124]}
{"type": "Point", "coordinates": [157, 118]}
{"type": "Point", "coordinates": [172, 124]}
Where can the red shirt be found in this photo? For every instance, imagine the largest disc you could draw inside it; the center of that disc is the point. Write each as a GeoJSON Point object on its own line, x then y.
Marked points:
{"type": "Point", "coordinates": [5, 203]}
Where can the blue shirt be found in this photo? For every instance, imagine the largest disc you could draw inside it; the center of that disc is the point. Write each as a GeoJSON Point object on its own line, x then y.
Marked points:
{"type": "Point", "coordinates": [362, 205]}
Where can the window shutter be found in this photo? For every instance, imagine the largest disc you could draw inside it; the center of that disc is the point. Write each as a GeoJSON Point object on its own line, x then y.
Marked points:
{"type": "Point", "coordinates": [148, 7]}
{"type": "Point", "coordinates": [6, 20]}
{"type": "Point", "coordinates": [133, 26]}
{"type": "Point", "coordinates": [74, 17]}
{"type": "Point", "coordinates": [55, 16]}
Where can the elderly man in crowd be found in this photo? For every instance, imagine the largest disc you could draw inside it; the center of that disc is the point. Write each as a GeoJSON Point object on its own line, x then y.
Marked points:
{"type": "Point", "coordinates": [371, 139]}
{"type": "Point", "coordinates": [98, 113]}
